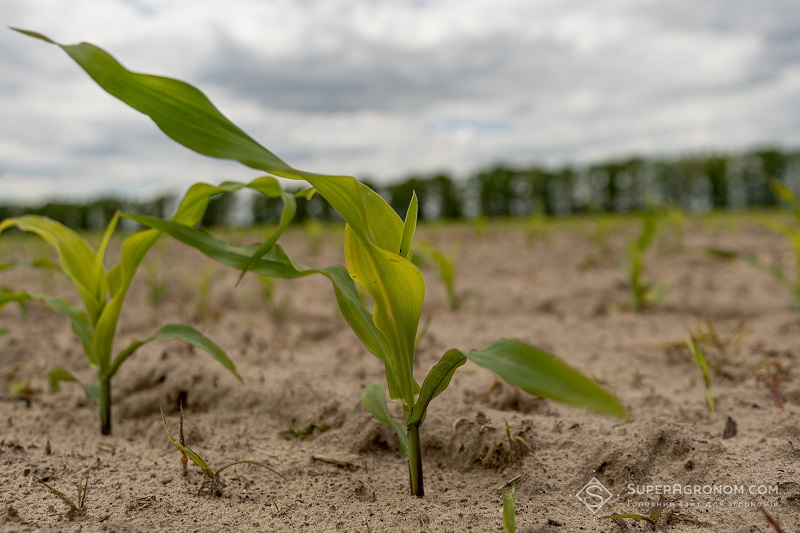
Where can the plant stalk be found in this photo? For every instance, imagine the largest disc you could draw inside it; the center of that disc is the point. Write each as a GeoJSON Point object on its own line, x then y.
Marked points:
{"type": "Point", "coordinates": [105, 406]}
{"type": "Point", "coordinates": [415, 462]}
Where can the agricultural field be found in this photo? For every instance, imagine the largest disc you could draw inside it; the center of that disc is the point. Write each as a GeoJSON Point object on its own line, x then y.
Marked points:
{"type": "Point", "coordinates": [560, 285]}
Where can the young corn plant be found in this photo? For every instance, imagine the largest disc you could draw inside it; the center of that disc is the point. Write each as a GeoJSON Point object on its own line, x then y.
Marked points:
{"type": "Point", "coordinates": [640, 291]}
{"type": "Point", "coordinates": [447, 273]}
{"type": "Point", "coordinates": [377, 246]}
{"type": "Point", "coordinates": [792, 234]}
{"type": "Point", "coordinates": [103, 291]}
{"type": "Point", "coordinates": [700, 359]}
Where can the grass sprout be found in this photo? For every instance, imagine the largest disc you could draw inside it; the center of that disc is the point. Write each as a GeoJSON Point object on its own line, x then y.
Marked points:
{"type": "Point", "coordinates": [77, 506]}
{"type": "Point", "coordinates": [213, 482]}
{"type": "Point", "coordinates": [513, 440]}
{"type": "Point", "coordinates": [700, 359]}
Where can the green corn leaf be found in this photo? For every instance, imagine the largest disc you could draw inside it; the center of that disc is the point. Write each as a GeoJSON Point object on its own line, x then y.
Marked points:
{"type": "Point", "coordinates": [81, 326]}
{"type": "Point", "coordinates": [199, 461]}
{"type": "Point", "coordinates": [409, 228]}
{"type": "Point", "coordinates": [76, 257]}
{"type": "Point", "coordinates": [8, 296]}
{"type": "Point", "coordinates": [277, 264]}
{"type": "Point", "coordinates": [186, 334]}
{"type": "Point", "coordinates": [186, 115]}
{"type": "Point", "coordinates": [136, 247]}
{"type": "Point", "coordinates": [435, 382]}
{"type": "Point", "coordinates": [542, 374]}
{"type": "Point", "coordinates": [398, 290]}
{"type": "Point", "coordinates": [509, 511]}
{"type": "Point", "coordinates": [374, 399]}
{"type": "Point", "coordinates": [783, 192]}
{"type": "Point", "coordinates": [60, 375]}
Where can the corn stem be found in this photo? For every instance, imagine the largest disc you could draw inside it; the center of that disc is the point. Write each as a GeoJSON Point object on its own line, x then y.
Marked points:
{"type": "Point", "coordinates": [415, 462]}
{"type": "Point", "coordinates": [105, 406]}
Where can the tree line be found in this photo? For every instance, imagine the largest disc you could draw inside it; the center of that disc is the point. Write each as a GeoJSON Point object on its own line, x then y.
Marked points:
{"type": "Point", "coordinates": [692, 183]}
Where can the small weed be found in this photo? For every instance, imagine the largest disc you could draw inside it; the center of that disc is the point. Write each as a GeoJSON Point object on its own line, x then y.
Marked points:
{"type": "Point", "coordinates": [306, 432]}
{"type": "Point", "coordinates": [213, 483]}
{"type": "Point", "coordinates": [513, 439]}
{"type": "Point", "coordinates": [76, 507]}
{"type": "Point", "coordinates": [707, 333]}
{"type": "Point", "coordinates": [655, 514]}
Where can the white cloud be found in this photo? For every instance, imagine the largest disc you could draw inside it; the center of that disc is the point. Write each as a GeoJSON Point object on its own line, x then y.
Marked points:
{"type": "Point", "coordinates": [383, 89]}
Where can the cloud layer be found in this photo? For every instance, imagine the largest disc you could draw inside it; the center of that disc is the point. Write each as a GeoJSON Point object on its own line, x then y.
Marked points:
{"type": "Point", "coordinates": [383, 89]}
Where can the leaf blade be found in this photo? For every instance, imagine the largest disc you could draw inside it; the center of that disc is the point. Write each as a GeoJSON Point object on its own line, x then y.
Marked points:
{"type": "Point", "coordinates": [374, 400]}
{"type": "Point", "coordinates": [542, 374]}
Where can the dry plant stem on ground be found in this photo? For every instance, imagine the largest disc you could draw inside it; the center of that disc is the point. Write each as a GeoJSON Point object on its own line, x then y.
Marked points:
{"type": "Point", "coordinates": [377, 252]}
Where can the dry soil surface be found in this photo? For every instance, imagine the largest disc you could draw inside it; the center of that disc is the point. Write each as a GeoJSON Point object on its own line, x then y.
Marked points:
{"type": "Point", "coordinates": [555, 287]}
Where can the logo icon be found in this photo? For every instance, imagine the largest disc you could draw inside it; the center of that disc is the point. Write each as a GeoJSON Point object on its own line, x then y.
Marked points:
{"type": "Point", "coordinates": [594, 495]}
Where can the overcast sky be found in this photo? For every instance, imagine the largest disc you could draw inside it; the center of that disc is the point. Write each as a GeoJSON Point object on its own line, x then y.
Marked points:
{"type": "Point", "coordinates": [382, 89]}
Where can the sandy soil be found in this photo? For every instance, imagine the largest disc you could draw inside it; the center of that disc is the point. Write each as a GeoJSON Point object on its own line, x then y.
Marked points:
{"type": "Point", "coordinates": [301, 364]}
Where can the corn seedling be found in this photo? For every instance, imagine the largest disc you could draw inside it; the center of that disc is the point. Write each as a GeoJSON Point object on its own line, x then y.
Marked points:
{"type": "Point", "coordinates": [700, 359]}
{"type": "Point", "coordinates": [77, 506]}
{"type": "Point", "coordinates": [103, 292]}
{"type": "Point", "coordinates": [213, 482]}
{"type": "Point", "coordinates": [447, 273]}
{"type": "Point", "coordinates": [509, 508]}
{"type": "Point", "coordinates": [792, 234]}
{"type": "Point", "coordinates": [377, 246]}
{"type": "Point", "coordinates": [640, 291]}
